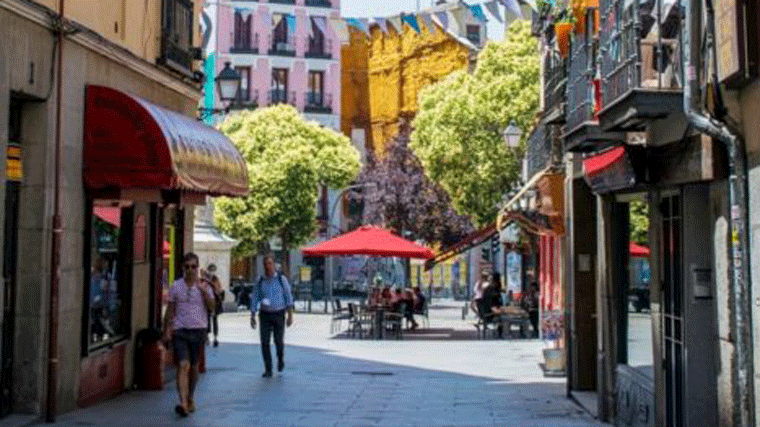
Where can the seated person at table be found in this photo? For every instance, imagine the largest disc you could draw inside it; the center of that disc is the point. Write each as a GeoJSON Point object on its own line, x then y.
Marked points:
{"type": "Point", "coordinates": [419, 300]}
{"type": "Point", "coordinates": [410, 300]}
{"type": "Point", "coordinates": [386, 296]}
{"type": "Point", "coordinates": [491, 299]}
{"type": "Point", "coordinates": [397, 297]}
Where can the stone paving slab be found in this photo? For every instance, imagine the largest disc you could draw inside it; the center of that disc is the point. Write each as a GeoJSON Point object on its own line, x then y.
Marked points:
{"type": "Point", "coordinates": [331, 381]}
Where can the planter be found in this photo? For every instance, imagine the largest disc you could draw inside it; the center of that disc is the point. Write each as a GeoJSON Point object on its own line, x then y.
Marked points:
{"type": "Point", "coordinates": [562, 33]}
{"type": "Point", "coordinates": [554, 359]}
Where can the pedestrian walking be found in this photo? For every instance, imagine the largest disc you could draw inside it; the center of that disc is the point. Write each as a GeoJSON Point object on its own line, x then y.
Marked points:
{"type": "Point", "coordinates": [273, 299]}
{"type": "Point", "coordinates": [186, 324]}
{"type": "Point", "coordinates": [216, 285]}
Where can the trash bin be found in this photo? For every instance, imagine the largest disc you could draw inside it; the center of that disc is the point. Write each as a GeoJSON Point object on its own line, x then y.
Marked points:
{"type": "Point", "coordinates": [149, 353]}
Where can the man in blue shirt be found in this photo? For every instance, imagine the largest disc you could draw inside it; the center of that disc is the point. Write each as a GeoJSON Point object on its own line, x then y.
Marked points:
{"type": "Point", "coordinates": [273, 298]}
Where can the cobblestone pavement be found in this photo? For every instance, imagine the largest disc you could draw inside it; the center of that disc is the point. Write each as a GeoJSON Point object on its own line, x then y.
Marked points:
{"type": "Point", "coordinates": [440, 377]}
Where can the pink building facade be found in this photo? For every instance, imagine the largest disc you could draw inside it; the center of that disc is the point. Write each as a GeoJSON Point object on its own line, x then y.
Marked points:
{"type": "Point", "coordinates": [285, 52]}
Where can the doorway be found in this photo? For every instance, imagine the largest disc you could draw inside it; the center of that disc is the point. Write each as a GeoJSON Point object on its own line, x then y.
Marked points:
{"type": "Point", "coordinates": [10, 258]}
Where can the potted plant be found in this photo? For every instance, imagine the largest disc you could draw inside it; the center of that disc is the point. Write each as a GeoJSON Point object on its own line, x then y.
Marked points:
{"type": "Point", "coordinates": [553, 328]}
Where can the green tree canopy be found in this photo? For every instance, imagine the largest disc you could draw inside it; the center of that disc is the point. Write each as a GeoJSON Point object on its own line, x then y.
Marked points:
{"type": "Point", "coordinates": [288, 160]}
{"type": "Point", "coordinates": [458, 129]}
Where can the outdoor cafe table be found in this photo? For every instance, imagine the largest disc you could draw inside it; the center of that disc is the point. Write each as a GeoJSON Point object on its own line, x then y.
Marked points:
{"type": "Point", "coordinates": [512, 315]}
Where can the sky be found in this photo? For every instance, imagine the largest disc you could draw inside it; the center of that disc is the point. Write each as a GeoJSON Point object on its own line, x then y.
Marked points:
{"type": "Point", "coordinates": [385, 8]}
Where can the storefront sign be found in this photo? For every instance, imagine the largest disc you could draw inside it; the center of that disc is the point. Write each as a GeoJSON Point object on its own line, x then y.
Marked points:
{"type": "Point", "coordinates": [514, 272]}
{"type": "Point", "coordinates": [305, 274]}
{"type": "Point", "coordinates": [13, 167]}
{"type": "Point", "coordinates": [140, 252]}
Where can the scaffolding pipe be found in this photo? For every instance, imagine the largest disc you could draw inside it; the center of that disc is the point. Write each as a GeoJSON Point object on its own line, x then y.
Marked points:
{"type": "Point", "coordinates": [702, 121]}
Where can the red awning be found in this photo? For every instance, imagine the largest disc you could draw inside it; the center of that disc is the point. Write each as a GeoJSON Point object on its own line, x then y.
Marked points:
{"type": "Point", "coordinates": [596, 164]}
{"type": "Point", "coordinates": [131, 143]}
{"type": "Point", "coordinates": [372, 241]}
{"type": "Point", "coordinates": [468, 242]}
{"type": "Point", "coordinates": [639, 251]}
{"type": "Point", "coordinates": [110, 215]}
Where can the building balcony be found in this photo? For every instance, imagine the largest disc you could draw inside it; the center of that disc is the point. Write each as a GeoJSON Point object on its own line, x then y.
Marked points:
{"type": "Point", "coordinates": [640, 63]}
{"type": "Point", "coordinates": [319, 3]}
{"type": "Point", "coordinates": [584, 100]}
{"type": "Point", "coordinates": [249, 46]}
{"type": "Point", "coordinates": [283, 1]}
{"type": "Point", "coordinates": [538, 150]}
{"type": "Point", "coordinates": [555, 81]}
{"type": "Point", "coordinates": [282, 96]}
{"type": "Point", "coordinates": [321, 50]}
{"type": "Point", "coordinates": [176, 36]}
{"type": "Point", "coordinates": [317, 102]}
{"type": "Point", "coordinates": [280, 47]}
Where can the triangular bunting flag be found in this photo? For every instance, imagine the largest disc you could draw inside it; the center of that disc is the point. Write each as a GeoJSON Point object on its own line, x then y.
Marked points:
{"type": "Point", "coordinates": [411, 20]}
{"type": "Point", "coordinates": [243, 12]}
{"type": "Point", "coordinates": [321, 23]}
{"type": "Point", "coordinates": [493, 8]}
{"type": "Point", "coordinates": [428, 20]}
{"type": "Point", "coordinates": [359, 24]}
{"type": "Point", "coordinates": [340, 29]}
{"type": "Point", "coordinates": [291, 21]}
{"type": "Point", "coordinates": [531, 3]}
{"type": "Point", "coordinates": [396, 22]}
{"type": "Point", "coordinates": [276, 18]}
{"type": "Point", "coordinates": [383, 24]}
{"type": "Point", "coordinates": [365, 24]}
{"type": "Point", "coordinates": [443, 19]}
{"type": "Point", "coordinates": [513, 7]}
{"type": "Point", "coordinates": [460, 15]}
{"type": "Point", "coordinates": [477, 13]}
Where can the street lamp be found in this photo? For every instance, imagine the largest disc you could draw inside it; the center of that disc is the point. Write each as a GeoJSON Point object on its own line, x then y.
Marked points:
{"type": "Point", "coordinates": [512, 135]}
{"type": "Point", "coordinates": [228, 88]}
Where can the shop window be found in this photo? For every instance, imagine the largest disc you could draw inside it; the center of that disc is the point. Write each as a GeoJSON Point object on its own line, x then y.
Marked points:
{"type": "Point", "coordinates": [109, 279]}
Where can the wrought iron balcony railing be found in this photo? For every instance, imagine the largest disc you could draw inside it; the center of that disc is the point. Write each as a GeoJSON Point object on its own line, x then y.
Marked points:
{"type": "Point", "coordinates": [318, 102]}
{"type": "Point", "coordinates": [177, 35]}
{"type": "Point", "coordinates": [319, 49]}
{"type": "Point", "coordinates": [282, 96]}
{"type": "Point", "coordinates": [580, 87]}
{"type": "Point", "coordinates": [283, 1]}
{"type": "Point", "coordinates": [281, 47]}
{"type": "Point", "coordinates": [245, 45]}
{"type": "Point", "coordinates": [538, 150]}
{"type": "Point", "coordinates": [640, 48]}
{"type": "Point", "coordinates": [555, 81]}
{"type": "Point", "coordinates": [247, 99]}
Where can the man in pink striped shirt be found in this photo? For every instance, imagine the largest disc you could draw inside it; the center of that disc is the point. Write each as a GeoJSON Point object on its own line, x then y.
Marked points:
{"type": "Point", "coordinates": [186, 322]}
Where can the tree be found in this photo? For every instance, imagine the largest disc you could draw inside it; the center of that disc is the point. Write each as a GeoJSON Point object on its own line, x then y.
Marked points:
{"type": "Point", "coordinates": [639, 219]}
{"type": "Point", "coordinates": [289, 159]}
{"type": "Point", "coordinates": [404, 199]}
{"type": "Point", "coordinates": [458, 129]}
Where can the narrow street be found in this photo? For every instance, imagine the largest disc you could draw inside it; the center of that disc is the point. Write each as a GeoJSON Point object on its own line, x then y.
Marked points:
{"type": "Point", "coordinates": [428, 379]}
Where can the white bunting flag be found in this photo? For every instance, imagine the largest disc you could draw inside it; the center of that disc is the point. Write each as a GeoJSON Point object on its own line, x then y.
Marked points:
{"type": "Point", "coordinates": [383, 24]}
{"type": "Point", "coordinates": [493, 8]}
{"type": "Point", "coordinates": [340, 29]}
{"type": "Point", "coordinates": [513, 7]}
{"type": "Point", "coordinates": [428, 21]}
{"type": "Point", "coordinates": [396, 22]}
{"type": "Point", "coordinates": [531, 4]}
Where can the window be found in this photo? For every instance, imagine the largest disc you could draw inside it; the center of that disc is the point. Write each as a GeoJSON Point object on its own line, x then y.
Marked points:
{"type": "Point", "coordinates": [177, 35]}
{"type": "Point", "coordinates": [110, 258]}
{"type": "Point", "coordinates": [245, 83]}
{"type": "Point", "coordinates": [279, 94]}
{"type": "Point", "coordinates": [473, 34]}
{"type": "Point", "coordinates": [280, 35]}
{"type": "Point", "coordinates": [315, 97]}
{"type": "Point", "coordinates": [242, 32]}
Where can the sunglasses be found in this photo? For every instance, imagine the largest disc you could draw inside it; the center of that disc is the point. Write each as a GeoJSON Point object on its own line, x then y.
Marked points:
{"type": "Point", "coordinates": [191, 266]}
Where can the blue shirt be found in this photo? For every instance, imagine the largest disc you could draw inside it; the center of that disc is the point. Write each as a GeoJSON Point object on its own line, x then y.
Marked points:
{"type": "Point", "coordinates": [271, 296]}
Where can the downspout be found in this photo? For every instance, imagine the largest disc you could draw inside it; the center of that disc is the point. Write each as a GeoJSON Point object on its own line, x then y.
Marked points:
{"type": "Point", "coordinates": [702, 121]}
{"type": "Point", "coordinates": [55, 264]}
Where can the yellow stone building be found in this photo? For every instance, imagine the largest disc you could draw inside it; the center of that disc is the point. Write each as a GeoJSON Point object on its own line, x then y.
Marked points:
{"type": "Point", "coordinates": [384, 73]}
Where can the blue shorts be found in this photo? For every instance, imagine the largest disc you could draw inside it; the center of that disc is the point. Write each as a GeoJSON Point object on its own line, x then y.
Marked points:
{"type": "Point", "coordinates": [187, 344]}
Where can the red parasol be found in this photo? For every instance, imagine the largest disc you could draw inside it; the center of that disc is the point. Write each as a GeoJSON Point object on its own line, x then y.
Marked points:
{"type": "Point", "coordinates": [639, 251]}
{"type": "Point", "coordinates": [372, 241]}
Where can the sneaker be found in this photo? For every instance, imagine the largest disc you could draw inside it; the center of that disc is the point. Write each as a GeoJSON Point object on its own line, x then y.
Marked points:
{"type": "Point", "coordinates": [180, 410]}
{"type": "Point", "coordinates": [266, 374]}
{"type": "Point", "coordinates": [280, 365]}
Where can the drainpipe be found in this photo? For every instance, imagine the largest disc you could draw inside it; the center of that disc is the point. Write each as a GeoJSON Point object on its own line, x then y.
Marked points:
{"type": "Point", "coordinates": [55, 264]}
{"type": "Point", "coordinates": [739, 279]}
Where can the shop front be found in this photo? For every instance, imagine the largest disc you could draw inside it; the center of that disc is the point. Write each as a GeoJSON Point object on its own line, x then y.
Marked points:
{"type": "Point", "coordinates": [144, 170]}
